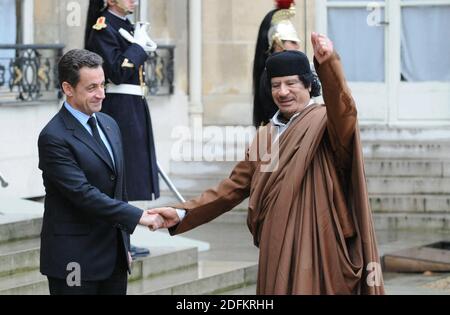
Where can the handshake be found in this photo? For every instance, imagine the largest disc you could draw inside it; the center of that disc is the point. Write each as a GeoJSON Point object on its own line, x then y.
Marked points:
{"type": "Point", "coordinates": [159, 218]}
{"type": "Point", "coordinates": [140, 37]}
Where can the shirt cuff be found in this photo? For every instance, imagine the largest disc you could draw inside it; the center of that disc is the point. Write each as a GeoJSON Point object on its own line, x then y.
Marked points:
{"type": "Point", "coordinates": [181, 213]}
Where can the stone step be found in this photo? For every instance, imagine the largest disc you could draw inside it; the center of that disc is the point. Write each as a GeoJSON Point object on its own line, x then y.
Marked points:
{"type": "Point", "coordinates": [402, 211]}
{"type": "Point", "coordinates": [214, 277]}
{"type": "Point", "coordinates": [20, 245]}
{"type": "Point", "coordinates": [162, 281]}
{"type": "Point", "coordinates": [406, 168]}
{"type": "Point", "coordinates": [241, 133]}
{"type": "Point", "coordinates": [19, 218]}
{"type": "Point", "coordinates": [378, 149]}
{"type": "Point", "coordinates": [247, 290]}
{"type": "Point", "coordinates": [391, 211]}
{"type": "Point", "coordinates": [392, 198]}
{"type": "Point", "coordinates": [373, 168]}
{"type": "Point", "coordinates": [404, 219]}
{"type": "Point", "coordinates": [385, 133]}
{"type": "Point", "coordinates": [412, 221]}
{"type": "Point", "coordinates": [20, 229]}
{"type": "Point", "coordinates": [26, 279]}
{"type": "Point", "coordinates": [410, 203]}
{"type": "Point", "coordinates": [386, 201]}
{"type": "Point", "coordinates": [209, 277]}
{"type": "Point", "coordinates": [411, 185]}
{"type": "Point", "coordinates": [406, 150]}
{"type": "Point", "coordinates": [19, 261]}
{"type": "Point", "coordinates": [368, 133]}
{"type": "Point", "coordinates": [417, 284]}
{"type": "Point", "coordinates": [162, 261]}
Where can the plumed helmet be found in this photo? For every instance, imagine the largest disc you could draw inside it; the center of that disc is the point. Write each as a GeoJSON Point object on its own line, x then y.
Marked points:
{"type": "Point", "coordinates": [281, 27]}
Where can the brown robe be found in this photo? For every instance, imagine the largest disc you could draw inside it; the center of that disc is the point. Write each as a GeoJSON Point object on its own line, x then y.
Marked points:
{"type": "Point", "coordinates": [310, 217]}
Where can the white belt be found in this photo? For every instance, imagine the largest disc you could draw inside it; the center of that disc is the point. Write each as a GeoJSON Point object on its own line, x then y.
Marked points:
{"type": "Point", "coordinates": [130, 89]}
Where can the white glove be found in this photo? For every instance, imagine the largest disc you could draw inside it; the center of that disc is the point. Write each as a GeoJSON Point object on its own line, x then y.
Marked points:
{"type": "Point", "coordinates": [140, 38]}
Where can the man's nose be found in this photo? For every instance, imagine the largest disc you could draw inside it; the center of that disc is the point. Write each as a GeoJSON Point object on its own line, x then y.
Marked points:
{"type": "Point", "coordinates": [101, 93]}
{"type": "Point", "coordinates": [284, 90]}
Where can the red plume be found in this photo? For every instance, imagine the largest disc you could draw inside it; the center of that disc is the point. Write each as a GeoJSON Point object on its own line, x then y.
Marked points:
{"type": "Point", "coordinates": [284, 4]}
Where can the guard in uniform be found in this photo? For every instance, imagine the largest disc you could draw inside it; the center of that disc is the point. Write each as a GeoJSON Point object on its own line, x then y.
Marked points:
{"type": "Point", "coordinates": [276, 33]}
{"type": "Point", "coordinates": [125, 49]}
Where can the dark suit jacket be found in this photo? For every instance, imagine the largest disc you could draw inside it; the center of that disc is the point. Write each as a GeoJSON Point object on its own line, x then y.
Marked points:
{"type": "Point", "coordinates": [129, 111]}
{"type": "Point", "coordinates": [85, 220]}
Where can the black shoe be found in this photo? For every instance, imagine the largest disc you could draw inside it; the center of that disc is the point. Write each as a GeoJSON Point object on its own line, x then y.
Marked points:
{"type": "Point", "coordinates": [137, 252]}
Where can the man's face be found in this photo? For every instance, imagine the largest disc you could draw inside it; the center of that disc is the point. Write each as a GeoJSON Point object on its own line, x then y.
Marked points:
{"type": "Point", "coordinates": [124, 7]}
{"type": "Point", "coordinates": [87, 96]}
{"type": "Point", "coordinates": [289, 94]}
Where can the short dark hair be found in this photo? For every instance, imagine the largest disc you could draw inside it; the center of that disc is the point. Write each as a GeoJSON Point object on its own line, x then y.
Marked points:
{"type": "Point", "coordinates": [311, 80]}
{"type": "Point", "coordinates": [70, 64]}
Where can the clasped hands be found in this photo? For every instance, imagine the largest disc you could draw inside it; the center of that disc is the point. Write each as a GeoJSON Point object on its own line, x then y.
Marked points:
{"type": "Point", "coordinates": [159, 218]}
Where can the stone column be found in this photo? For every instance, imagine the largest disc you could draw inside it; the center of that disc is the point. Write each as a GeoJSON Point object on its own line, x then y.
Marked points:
{"type": "Point", "coordinates": [28, 21]}
{"type": "Point", "coordinates": [143, 10]}
{"type": "Point", "coordinates": [195, 62]}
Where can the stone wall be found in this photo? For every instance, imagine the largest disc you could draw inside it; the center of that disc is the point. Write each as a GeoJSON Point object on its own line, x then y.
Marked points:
{"type": "Point", "coordinates": [230, 29]}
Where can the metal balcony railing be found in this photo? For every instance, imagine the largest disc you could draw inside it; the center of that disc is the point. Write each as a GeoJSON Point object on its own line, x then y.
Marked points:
{"type": "Point", "coordinates": [30, 73]}
{"type": "Point", "coordinates": [160, 71]}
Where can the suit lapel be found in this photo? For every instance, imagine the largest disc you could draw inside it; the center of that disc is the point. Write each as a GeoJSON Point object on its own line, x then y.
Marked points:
{"type": "Point", "coordinates": [113, 142]}
{"type": "Point", "coordinates": [83, 135]}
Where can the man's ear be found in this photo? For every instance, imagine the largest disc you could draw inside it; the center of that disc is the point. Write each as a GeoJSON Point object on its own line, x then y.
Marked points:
{"type": "Point", "coordinates": [67, 89]}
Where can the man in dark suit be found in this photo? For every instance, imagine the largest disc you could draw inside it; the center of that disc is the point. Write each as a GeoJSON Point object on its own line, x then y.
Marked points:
{"type": "Point", "coordinates": [106, 28]}
{"type": "Point", "coordinates": [85, 234]}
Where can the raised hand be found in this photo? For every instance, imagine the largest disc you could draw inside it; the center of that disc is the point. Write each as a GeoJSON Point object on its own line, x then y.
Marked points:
{"type": "Point", "coordinates": [169, 215]}
{"type": "Point", "coordinates": [323, 47]}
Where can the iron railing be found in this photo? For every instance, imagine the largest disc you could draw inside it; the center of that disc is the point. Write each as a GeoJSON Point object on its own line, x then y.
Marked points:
{"type": "Point", "coordinates": [160, 71]}
{"type": "Point", "coordinates": [29, 72]}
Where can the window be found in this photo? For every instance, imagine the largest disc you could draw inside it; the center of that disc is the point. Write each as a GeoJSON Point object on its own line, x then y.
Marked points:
{"type": "Point", "coordinates": [425, 42]}
{"type": "Point", "coordinates": [359, 43]}
{"type": "Point", "coordinates": [395, 55]}
{"type": "Point", "coordinates": [8, 22]}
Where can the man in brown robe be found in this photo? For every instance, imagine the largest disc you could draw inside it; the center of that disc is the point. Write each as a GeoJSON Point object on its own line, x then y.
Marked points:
{"type": "Point", "coordinates": [309, 214]}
